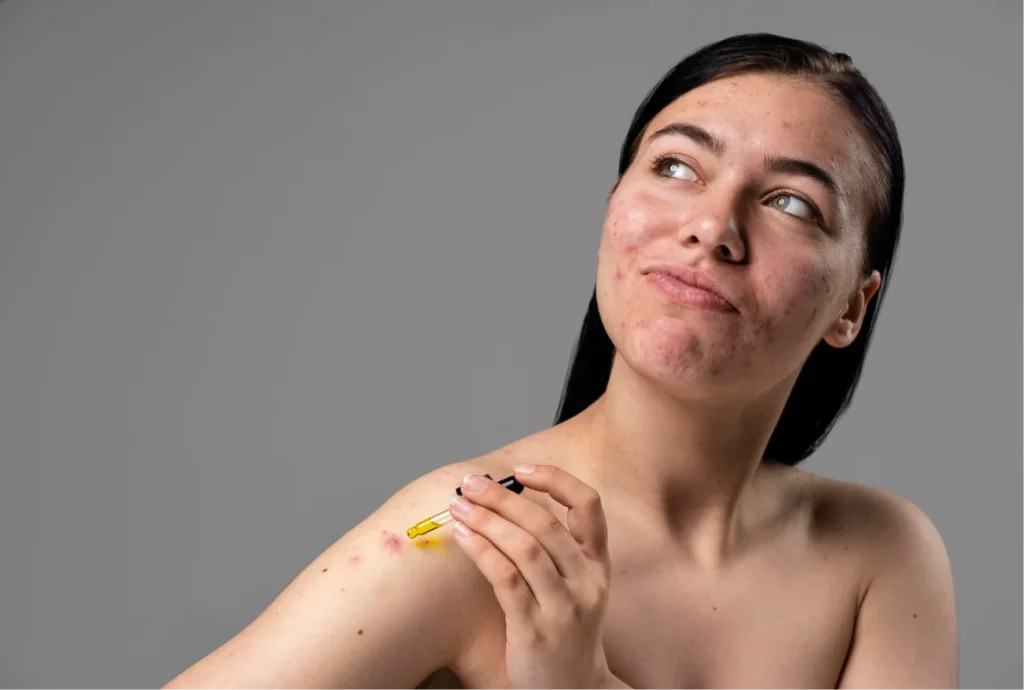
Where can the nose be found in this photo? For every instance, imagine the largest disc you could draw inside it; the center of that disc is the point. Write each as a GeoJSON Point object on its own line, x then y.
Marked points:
{"type": "Point", "coordinates": [714, 230]}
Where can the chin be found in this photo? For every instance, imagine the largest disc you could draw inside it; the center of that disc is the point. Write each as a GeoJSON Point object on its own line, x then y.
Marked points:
{"type": "Point", "coordinates": [675, 355]}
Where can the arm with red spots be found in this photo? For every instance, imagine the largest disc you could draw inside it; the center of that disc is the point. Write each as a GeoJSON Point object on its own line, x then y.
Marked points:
{"type": "Point", "coordinates": [359, 615]}
{"type": "Point", "coordinates": [906, 630]}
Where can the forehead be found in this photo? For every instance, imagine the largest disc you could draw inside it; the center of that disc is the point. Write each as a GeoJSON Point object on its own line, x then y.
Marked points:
{"type": "Point", "coordinates": [766, 114]}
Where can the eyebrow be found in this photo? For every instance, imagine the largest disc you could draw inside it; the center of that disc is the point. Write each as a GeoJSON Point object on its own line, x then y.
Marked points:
{"type": "Point", "coordinates": [772, 164]}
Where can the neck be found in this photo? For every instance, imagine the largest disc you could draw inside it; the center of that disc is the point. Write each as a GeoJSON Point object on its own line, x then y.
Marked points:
{"type": "Point", "coordinates": [684, 466]}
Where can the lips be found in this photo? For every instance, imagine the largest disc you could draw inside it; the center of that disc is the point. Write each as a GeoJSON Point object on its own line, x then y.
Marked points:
{"type": "Point", "coordinates": [690, 287]}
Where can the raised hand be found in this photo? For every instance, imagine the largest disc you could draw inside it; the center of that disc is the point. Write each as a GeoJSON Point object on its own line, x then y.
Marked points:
{"type": "Point", "coordinates": [551, 581]}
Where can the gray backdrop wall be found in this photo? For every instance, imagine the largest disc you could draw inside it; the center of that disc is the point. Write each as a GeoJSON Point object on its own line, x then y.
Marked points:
{"type": "Point", "coordinates": [262, 263]}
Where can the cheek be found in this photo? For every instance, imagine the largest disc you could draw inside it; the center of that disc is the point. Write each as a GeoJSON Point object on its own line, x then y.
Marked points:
{"type": "Point", "coordinates": [630, 220]}
{"type": "Point", "coordinates": [797, 298]}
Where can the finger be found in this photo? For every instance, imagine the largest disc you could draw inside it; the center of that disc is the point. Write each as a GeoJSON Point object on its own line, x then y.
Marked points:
{"type": "Point", "coordinates": [586, 519]}
{"type": "Point", "coordinates": [510, 587]}
{"type": "Point", "coordinates": [562, 548]}
{"type": "Point", "coordinates": [525, 553]}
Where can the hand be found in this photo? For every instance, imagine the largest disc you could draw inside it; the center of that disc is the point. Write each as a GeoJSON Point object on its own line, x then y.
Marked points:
{"type": "Point", "coordinates": [551, 582]}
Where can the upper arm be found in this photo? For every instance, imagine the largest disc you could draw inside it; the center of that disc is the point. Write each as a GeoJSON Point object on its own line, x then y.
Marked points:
{"type": "Point", "coordinates": [373, 610]}
{"type": "Point", "coordinates": [906, 630]}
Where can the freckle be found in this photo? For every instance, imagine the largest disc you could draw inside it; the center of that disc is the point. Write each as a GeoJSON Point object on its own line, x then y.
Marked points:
{"type": "Point", "coordinates": [360, 631]}
{"type": "Point", "coordinates": [324, 570]}
{"type": "Point", "coordinates": [915, 615]}
{"type": "Point", "coordinates": [714, 608]}
{"type": "Point", "coordinates": [342, 589]}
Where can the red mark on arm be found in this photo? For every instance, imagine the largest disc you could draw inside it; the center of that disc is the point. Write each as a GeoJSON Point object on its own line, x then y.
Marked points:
{"type": "Point", "coordinates": [353, 559]}
{"type": "Point", "coordinates": [360, 631]}
{"type": "Point", "coordinates": [392, 542]}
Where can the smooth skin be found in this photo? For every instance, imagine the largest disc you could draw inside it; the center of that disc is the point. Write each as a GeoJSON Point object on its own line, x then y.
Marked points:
{"type": "Point", "coordinates": [713, 567]}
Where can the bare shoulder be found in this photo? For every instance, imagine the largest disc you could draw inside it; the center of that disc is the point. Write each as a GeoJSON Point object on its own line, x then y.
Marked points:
{"type": "Point", "coordinates": [880, 524]}
{"type": "Point", "coordinates": [340, 621]}
{"type": "Point", "coordinates": [905, 633]}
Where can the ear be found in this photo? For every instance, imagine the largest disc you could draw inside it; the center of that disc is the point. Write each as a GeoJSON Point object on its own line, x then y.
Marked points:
{"type": "Point", "coordinates": [845, 328]}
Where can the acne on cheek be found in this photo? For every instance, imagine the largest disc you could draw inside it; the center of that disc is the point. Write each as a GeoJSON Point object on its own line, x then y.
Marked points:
{"type": "Point", "coordinates": [630, 219]}
{"type": "Point", "coordinates": [805, 292]}
{"type": "Point", "coordinates": [624, 242]}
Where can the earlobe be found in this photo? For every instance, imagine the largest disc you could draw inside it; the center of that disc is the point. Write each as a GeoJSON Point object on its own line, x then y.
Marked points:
{"type": "Point", "coordinates": [845, 328]}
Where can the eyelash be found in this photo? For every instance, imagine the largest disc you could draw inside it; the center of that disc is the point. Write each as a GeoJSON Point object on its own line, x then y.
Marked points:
{"type": "Point", "coordinates": [669, 158]}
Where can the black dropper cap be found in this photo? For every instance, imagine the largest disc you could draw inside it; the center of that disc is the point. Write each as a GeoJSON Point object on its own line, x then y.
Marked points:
{"type": "Point", "coordinates": [509, 483]}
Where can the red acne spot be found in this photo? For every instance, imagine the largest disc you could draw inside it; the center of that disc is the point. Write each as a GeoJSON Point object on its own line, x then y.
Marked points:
{"type": "Point", "coordinates": [360, 631]}
{"type": "Point", "coordinates": [618, 274]}
{"type": "Point", "coordinates": [786, 124]}
{"type": "Point", "coordinates": [392, 542]}
{"type": "Point", "coordinates": [353, 559]}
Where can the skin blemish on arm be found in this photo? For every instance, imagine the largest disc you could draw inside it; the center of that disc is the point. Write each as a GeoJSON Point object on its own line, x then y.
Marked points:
{"type": "Point", "coordinates": [353, 560]}
{"type": "Point", "coordinates": [391, 541]}
{"type": "Point", "coordinates": [324, 570]}
{"type": "Point", "coordinates": [360, 631]}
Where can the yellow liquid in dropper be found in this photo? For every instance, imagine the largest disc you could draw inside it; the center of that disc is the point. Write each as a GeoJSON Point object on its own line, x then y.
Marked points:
{"type": "Point", "coordinates": [429, 525]}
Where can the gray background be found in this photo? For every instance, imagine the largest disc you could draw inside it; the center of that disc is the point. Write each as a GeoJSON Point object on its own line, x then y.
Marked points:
{"type": "Point", "coordinates": [262, 263]}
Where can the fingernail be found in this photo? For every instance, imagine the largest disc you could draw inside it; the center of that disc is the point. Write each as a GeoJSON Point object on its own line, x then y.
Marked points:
{"type": "Point", "coordinates": [524, 469]}
{"type": "Point", "coordinates": [460, 505]}
{"type": "Point", "coordinates": [474, 483]}
{"type": "Point", "coordinates": [462, 531]}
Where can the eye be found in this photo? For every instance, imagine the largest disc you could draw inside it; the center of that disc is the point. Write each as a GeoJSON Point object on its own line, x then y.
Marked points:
{"type": "Point", "coordinates": [670, 166]}
{"type": "Point", "coordinates": [795, 206]}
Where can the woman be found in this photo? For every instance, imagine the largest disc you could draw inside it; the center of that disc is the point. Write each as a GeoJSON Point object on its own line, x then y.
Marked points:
{"type": "Point", "coordinates": [665, 538]}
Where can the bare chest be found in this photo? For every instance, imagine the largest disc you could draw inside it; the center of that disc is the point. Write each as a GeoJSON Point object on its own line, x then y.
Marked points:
{"type": "Point", "coordinates": [768, 633]}
{"type": "Point", "coordinates": [780, 625]}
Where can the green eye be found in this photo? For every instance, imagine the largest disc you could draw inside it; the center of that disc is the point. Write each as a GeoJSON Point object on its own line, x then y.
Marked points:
{"type": "Point", "coordinates": [670, 166]}
{"type": "Point", "coordinates": [795, 206]}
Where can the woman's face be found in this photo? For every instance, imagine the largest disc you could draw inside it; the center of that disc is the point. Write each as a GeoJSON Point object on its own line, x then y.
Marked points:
{"type": "Point", "coordinates": [753, 184]}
